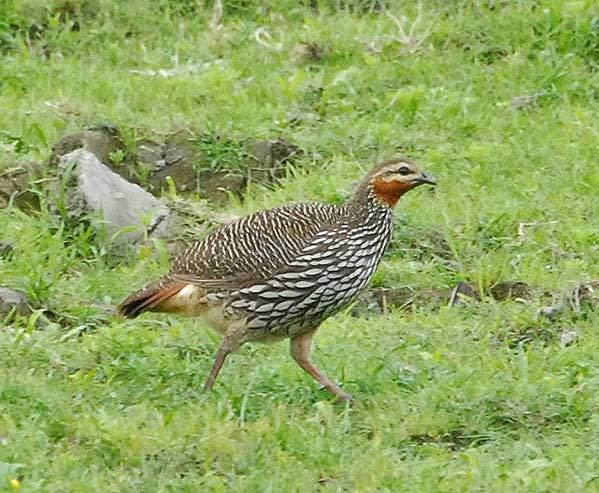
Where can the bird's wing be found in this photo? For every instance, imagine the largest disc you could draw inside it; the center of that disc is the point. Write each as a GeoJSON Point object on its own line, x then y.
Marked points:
{"type": "Point", "coordinates": [228, 282]}
{"type": "Point", "coordinates": [254, 247]}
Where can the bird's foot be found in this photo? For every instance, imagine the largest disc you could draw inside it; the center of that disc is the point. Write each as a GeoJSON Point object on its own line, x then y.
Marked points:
{"type": "Point", "coordinates": [343, 398]}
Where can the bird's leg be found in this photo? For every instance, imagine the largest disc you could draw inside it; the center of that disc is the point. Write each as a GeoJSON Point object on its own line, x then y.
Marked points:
{"type": "Point", "coordinates": [223, 352]}
{"type": "Point", "coordinates": [231, 342]}
{"type": "Point", "coordinates": [300, 351]}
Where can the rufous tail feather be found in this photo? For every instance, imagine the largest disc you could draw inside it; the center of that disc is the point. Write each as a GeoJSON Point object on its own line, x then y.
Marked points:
{"type": "Point", "coordinates": [148, 298]}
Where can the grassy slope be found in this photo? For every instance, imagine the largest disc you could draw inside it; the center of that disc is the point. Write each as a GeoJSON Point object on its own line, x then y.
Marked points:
{"type": "Point", "coordinates": [447, 399]}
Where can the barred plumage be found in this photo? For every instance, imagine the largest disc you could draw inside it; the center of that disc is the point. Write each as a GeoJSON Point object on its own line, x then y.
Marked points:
{"type": "Point", "coordinates": [281, 272]}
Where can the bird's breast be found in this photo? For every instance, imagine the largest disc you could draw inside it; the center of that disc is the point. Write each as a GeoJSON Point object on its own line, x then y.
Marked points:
{"type": "Point", "coordinates": [316, 284]}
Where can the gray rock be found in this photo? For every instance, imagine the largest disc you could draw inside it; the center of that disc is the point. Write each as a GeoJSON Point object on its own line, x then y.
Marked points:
{"type": "Point", "coordinates": [101, 140]}
{"type": "Point", "coordinates": [176, 159]}
{"type": "Point", "coordinates": [463, 293]}
{"type": "Point", "coordinates": [510, 290]}
{"type": "Point", "coordinates": [172, 158]}
{"type": "Point", "coordinates": [150, 155]}
{"type": "Point", "coordinates": [269, 157]}
{"type": "Point", "coordinates": [568, 337]}
{"type": "Point", "coordinates": [13, 300]}
{"type": "Point", "coordinates": [216, 185]}
{"type": "Point", "coordinates": [15, 186]}
{"type": "Point", "coordinates": [121, 206]}
{"type": "Point", "coordinates": [549, 312]}
{"type": "Point", "coordinates": [6, 249]}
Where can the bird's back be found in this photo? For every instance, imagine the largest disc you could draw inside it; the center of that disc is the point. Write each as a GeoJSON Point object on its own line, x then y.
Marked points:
{"type": "Point", "coordinates": [256, 246]}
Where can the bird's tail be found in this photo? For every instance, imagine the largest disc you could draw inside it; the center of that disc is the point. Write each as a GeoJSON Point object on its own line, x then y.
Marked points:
{"type": "Point", "coordinates": [149, 298]}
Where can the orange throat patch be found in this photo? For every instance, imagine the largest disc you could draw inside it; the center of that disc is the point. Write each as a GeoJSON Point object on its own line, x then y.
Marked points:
{"type": "Point", "coordinates": [389, 192]}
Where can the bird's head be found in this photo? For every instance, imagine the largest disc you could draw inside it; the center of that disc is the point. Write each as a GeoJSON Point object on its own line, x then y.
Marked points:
{"type": "Point", "coordinates": [389, 180]}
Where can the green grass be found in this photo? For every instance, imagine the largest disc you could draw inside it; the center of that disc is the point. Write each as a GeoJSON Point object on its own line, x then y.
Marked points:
{"type": "Point", "coordinates": [450, 399]}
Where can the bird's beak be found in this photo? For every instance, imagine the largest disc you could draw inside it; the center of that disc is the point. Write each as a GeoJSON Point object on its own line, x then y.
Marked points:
{"type": "Point", "coordinates": [425, 178]}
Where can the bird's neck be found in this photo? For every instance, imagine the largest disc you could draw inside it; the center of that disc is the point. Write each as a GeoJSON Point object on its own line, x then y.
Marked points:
{"type": "Point", "coordinates": [377, 196]}
{"type": "Point", "coordinates": [367, 207]}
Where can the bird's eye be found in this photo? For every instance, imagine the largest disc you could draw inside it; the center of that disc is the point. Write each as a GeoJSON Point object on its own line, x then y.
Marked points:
{"type": "Point", "coordinates": [404, 170]}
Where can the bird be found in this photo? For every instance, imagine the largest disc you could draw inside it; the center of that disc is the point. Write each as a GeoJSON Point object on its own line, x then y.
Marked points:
{"type": "Point", "coordinates": [279, 273]}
